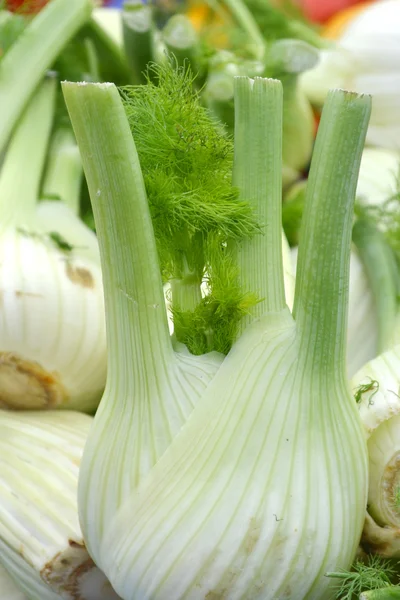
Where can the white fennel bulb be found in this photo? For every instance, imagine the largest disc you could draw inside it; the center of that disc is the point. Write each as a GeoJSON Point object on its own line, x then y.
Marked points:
{"type": "Point", "coordinates": [263, 488]}
{"type": "Point", "coordinates": [52, 324]}
{"type": "Point", "coordinates": [41, 543]}
{"type": "Point", "coordinates": [366, 59]}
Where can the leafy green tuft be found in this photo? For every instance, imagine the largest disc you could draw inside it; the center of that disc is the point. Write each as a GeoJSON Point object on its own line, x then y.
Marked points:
{"type": "Point", "coordinates": [374, 574]}
{"type": "Point", "coordinates": [186, 159]}
{"type": "Point", "coordinates": [213, 324]}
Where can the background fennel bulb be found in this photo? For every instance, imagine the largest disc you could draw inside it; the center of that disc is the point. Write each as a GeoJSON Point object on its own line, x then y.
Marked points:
{"type": "Point", "coordinates": [41, 544]}
{"type": "Point", "coordinates": [379, 176]}
{"type": "Point", "coordinates": [376, 388]}
{"type": "Point", "coordinates": [52, 327]}
{"type": "Point", "coordinates": [264, 488]}
{"type": "Point", "coordinates": [366, 59]}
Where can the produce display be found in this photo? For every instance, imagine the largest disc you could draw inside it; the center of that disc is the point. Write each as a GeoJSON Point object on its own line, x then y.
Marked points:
{"type": "Point", "coordinates": [199, 300]}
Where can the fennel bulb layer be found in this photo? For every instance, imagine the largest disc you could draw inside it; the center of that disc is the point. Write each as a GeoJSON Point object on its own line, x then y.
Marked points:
{"type": "Point", "coordinates": [40, 537]}
{"type": "Point", "coordinates": [20, 581]}
{"type": "Point", "coordinates": [8, 588]}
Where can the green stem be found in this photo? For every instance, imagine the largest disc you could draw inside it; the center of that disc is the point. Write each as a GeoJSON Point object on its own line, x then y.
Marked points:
{"type": "Point", "coordinates": [245, 19]}
{"type": "Point", "coordinates": [322, 281]}
{"type": "Point", "coordinates": [93, 59]}
{"type": "Point", "coordinates": [63, 175]}
{"type": "Point", "coordinates": [138, 32]}
{"type": "Point", "coordinates": [21, 172]}
{"type": "Point", "coordinates": [26, 62]}
{"type": "Point", "coordinates": [389, 593]}
{"type": "Point", "coordinates": [186, 295]}
{"type": "Point", "coordinates": [181, 40]}
{"type": "Point", "coordinates": [382, 272]}
{"type": "Point", "coordinates": [257, 174]}
{"type": "Point", "coordinates": [219, 94]}
{"type": "Point", "coordinates": [138, 337]}
{"type": "Point", "coordinates": [110, 58]}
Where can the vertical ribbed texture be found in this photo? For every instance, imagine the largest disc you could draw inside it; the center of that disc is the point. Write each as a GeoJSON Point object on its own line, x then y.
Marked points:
{"type": "Point", "coordinates": [257, 173]}
{"type": "Point", "coordinates": [322, 281]}
{"type": "Point", "coordinates": [21, 172]}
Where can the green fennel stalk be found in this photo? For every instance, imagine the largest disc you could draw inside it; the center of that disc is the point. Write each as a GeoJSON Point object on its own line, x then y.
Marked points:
{"type": "Point", "coordinates": [32, 53]}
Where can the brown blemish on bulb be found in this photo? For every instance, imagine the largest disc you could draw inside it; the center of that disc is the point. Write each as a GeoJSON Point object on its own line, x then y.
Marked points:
{"type": "Point", "coordinates": [380, 540]}
{"type": "Point", "coordinates": [24, 384]}
{"type": "Point", "coordinates": [79, 275]}
{"type": "Point", "coordinates": [72, 573]}
{"type": "Point", "coordinates": [62, 571]}
{"type": "Point", "coordinates": [252, 535]}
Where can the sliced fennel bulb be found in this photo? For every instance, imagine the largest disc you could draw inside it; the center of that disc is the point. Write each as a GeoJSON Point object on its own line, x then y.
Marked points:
{"type": "Point", "coordinates": [41, 544]}
{"type": "Point", "coordinates": [263, 488]}
{"type": "Point", "coordinates": [52, 326]}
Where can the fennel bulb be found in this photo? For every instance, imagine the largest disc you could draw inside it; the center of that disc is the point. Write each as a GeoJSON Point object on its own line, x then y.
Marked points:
{"type": "Point", "coordinates": [8, 587]}
{"type": "Point", "coordinates": [367, 59]}
{"type": "Point", "coordinates": [263, 488]}
{"type": "Point", "coordinates": [26, 584]}
{"type": "Point", "coordinates": [41, 544]}
{"type": "Point", "coordinates": [52, 325]}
